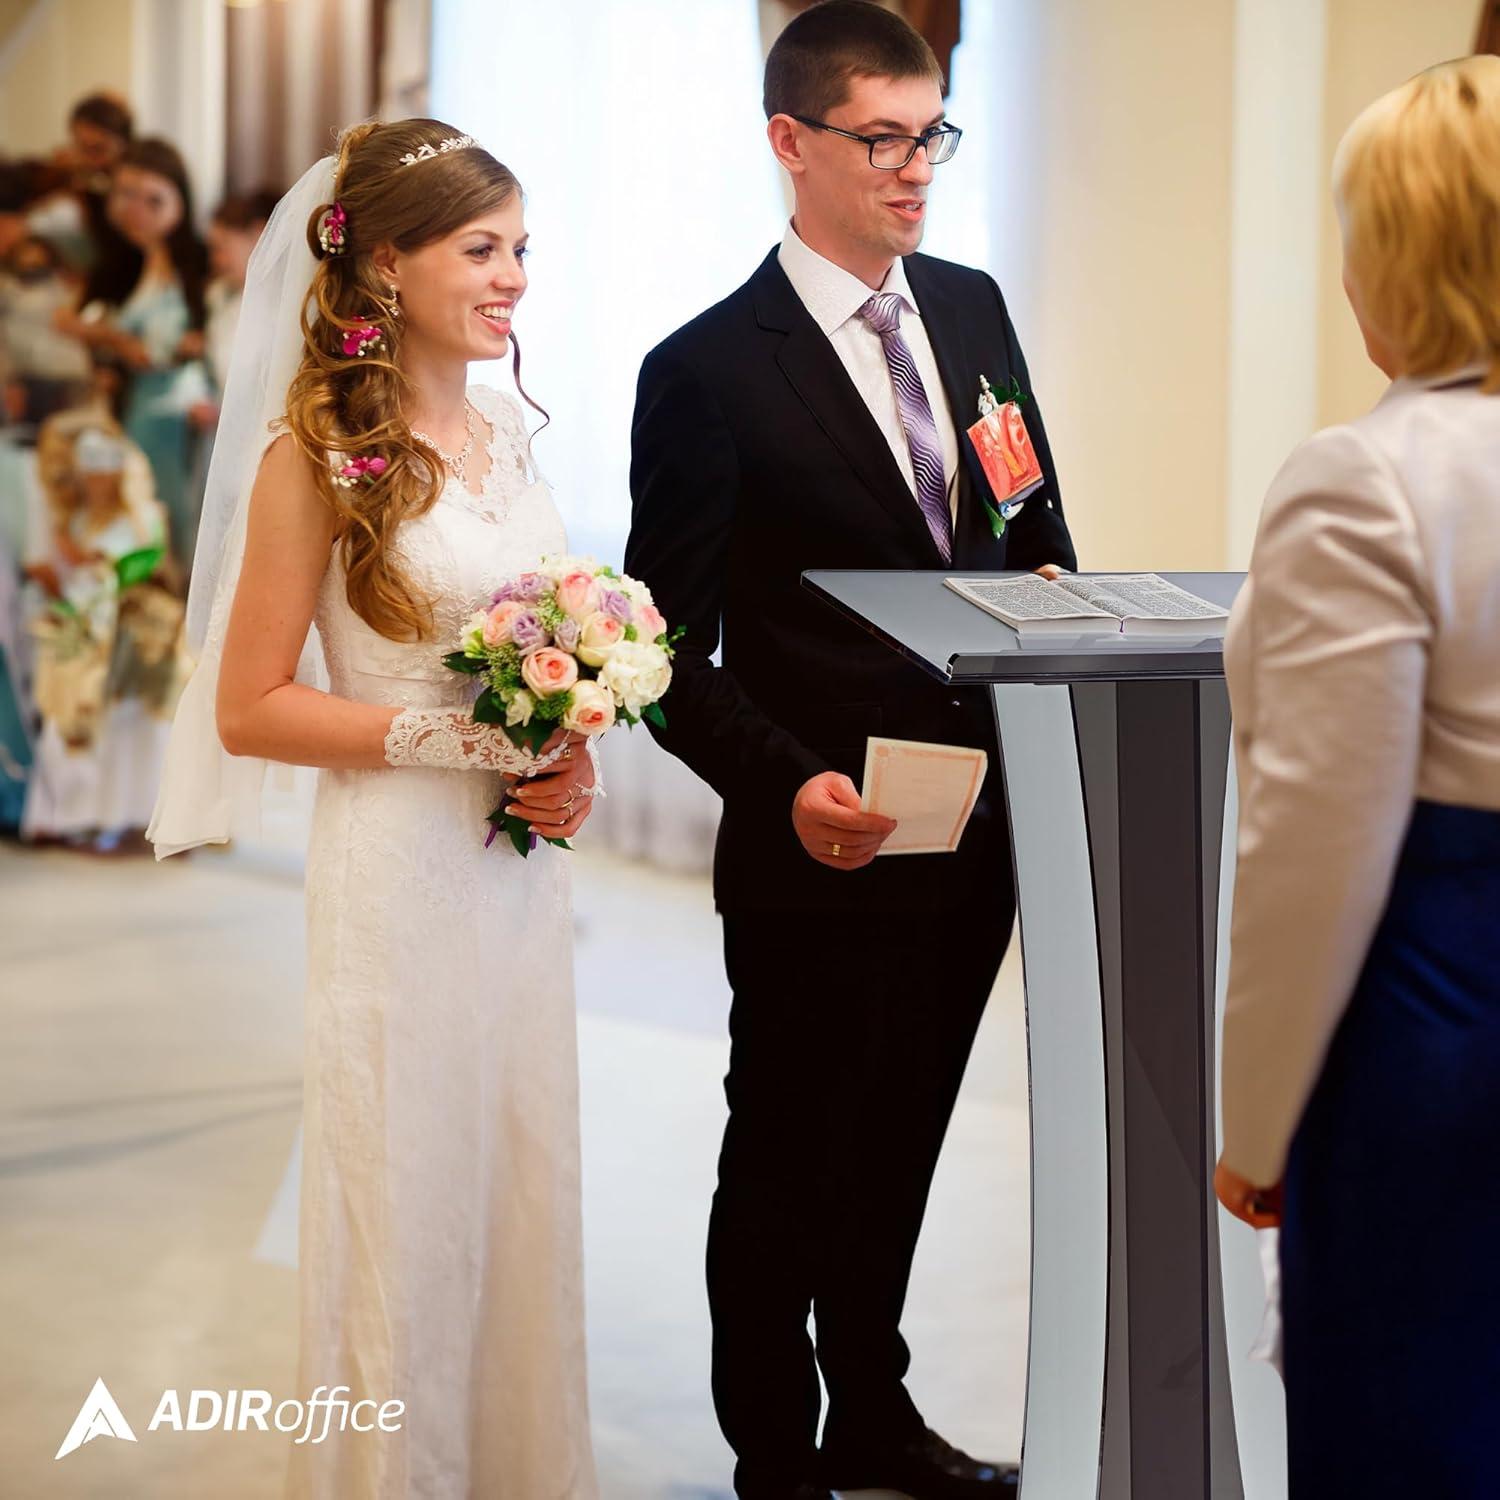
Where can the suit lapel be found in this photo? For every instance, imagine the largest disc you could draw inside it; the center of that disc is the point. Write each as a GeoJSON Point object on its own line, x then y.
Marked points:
{"type": "Point", "coordinates": [974, 544]}
{"type": "Point", "coordinates": [817, 374]}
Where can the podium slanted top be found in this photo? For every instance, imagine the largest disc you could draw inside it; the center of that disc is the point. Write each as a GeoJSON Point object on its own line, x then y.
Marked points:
{"type": "Point", "coordinates": [954, 641]}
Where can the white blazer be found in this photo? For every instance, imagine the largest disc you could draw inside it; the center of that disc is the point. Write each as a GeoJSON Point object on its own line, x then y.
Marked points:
{"type": "Point", "coordinates": [1363, 659]}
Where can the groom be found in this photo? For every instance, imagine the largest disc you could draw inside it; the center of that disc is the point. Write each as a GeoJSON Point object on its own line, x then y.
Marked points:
{"type": "Point", "coordinates": [815, 419]}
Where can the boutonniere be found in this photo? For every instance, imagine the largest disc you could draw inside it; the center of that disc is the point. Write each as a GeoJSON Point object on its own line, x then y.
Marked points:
{"type": "Point", "coordinates": [1005, 452]}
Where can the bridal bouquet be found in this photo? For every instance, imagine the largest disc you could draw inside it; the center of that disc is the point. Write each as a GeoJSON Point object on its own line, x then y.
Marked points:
{"type": "Point", "coordinates": [570, 646]}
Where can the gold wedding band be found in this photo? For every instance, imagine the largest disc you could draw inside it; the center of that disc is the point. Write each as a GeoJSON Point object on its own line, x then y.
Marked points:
{"type": "Point", "coordinates": [836, 850]}
{"type": "Point", "coordinates": [568, 803]}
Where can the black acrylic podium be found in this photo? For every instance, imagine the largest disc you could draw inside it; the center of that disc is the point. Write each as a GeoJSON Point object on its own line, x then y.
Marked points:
{"type": "Point", "coordinates": [1116, 763]}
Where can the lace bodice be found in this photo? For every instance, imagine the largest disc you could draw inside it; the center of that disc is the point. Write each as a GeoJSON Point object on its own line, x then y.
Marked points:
{"type": "Point", "coordinates": [455, 554]}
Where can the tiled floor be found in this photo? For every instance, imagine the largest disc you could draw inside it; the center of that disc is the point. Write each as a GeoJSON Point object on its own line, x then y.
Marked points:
{"type": "Point", "coordinates": [149, 1100]}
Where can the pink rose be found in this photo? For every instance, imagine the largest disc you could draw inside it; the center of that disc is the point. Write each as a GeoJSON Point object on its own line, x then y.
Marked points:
{"type": "Point", "coordinates": [649, 621]}
{"type": "Point", "coordinates": [578, 595]}
{"type": "Point", "coordinates": [600, 635]}
{"type": "Point", "coordinates": [592, 710]}
{"type": "Point", "coordinates": [547, 671]}
{"type": "Point", "coordinates": [497, 622]}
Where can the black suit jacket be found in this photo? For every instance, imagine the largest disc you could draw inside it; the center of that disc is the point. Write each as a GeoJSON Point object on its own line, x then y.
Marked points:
{"type": "Point", "coordinates": [754, 457]}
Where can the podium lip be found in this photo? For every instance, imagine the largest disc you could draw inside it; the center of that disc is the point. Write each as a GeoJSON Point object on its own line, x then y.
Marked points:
{"type": "Point", "coordinates": [998, 656]}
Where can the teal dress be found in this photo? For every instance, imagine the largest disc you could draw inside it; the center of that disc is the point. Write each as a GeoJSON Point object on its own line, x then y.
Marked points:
{"type": "Point", "coordinates": [156, 312]}
{"type": "Point", "coordinates": [15, 738]}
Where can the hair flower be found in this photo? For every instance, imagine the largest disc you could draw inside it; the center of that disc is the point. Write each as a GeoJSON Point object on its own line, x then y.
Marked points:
{"type": "Point", "coordinates": [332, 227]}
{"type": "Point", "coordinates": [360, 468]}
{"type": "Point", "coordinates": [362, 338]}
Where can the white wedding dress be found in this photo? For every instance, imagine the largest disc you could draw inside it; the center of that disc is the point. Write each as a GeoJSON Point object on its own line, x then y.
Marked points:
{"type": "Point", "coordinates": [440, 1241]}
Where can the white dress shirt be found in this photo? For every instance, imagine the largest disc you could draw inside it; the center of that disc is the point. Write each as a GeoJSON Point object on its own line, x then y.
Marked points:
{"type": "Point", "coordinates": [1362, 662]}
{"type": "Point", "coordinates": [834, 297]}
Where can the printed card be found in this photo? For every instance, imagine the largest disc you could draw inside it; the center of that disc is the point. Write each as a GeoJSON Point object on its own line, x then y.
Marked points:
{"type": "Point", "coordinates": [929, 789]}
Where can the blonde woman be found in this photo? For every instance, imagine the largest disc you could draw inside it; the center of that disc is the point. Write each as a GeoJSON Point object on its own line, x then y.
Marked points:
{"type": "Point", "coordinates": [440, 1248]}
{"type": "Point", "coordinates": [1361, 1074]}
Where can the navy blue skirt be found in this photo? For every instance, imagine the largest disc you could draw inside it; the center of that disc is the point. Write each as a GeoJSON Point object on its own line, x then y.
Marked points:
{"type": "Point", "coordinates": [1390, 1249]}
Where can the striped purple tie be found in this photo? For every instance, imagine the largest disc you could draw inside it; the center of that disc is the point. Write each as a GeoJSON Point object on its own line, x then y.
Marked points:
{"type": "Point", "coordinates": [883, 313]}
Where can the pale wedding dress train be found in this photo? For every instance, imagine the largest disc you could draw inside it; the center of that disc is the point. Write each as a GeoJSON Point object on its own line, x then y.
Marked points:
{"type": "Point", "coordinates": [440, 1241]}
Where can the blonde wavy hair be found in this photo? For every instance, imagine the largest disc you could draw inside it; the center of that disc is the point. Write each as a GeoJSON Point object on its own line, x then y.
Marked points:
{"type": "Point", "coordinates": [341, 406]}
{"type": "Point", "coordinates": [1417, 186]}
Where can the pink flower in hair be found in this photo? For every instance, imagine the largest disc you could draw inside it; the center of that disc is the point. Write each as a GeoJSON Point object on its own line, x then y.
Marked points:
{"type": "Point", "coordinates": [360, 468]}
{"type": "Point", "coordinates": [362, 338]}
{"type": "Point", "coordinates": [331, 229]}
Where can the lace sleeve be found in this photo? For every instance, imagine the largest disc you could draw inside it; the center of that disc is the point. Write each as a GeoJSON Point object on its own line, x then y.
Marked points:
{"type": "Point", "coordinates": [448, 739]}
{"type": "Point", "coordinates": [597, 790]}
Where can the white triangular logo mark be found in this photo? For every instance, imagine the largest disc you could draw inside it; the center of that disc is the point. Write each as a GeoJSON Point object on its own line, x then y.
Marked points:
{"type": "Point", "coordinates": [99, 1416]}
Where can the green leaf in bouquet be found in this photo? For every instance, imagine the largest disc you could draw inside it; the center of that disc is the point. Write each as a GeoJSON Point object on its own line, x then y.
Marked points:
{"type": "Point", "coordinates": [652, 714]}
{"type": "Point", "coordinates": [518, 831]}
{"type": "Point", "coordinates": [136, 567]}
{"type": "Point", "coordinates": [488, 708]}
{"type": "Point", "coordinates": [461, 661]}
{"type": "Point", "coordinates": [631, 633]}
{"type": "Point", "coordinates": [531, 736]}
{"type": "Point", "coordinates": [520, 836]}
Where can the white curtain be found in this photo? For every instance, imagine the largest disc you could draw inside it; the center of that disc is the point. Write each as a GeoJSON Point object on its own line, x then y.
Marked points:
{"type": "Point", "coordinates": [637, 134]}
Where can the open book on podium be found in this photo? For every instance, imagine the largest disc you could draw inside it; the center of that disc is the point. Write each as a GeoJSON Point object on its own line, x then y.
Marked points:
{"type": "Point", "coordinates": [1133, 604]}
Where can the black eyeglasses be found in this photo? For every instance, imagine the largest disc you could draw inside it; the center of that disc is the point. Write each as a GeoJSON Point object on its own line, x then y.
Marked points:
{"type": "Point", "coordinates": [892, 152]}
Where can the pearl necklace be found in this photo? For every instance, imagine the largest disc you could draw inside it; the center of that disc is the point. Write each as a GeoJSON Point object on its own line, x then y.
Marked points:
{"type": "Point", "coordinates": [457, 462]}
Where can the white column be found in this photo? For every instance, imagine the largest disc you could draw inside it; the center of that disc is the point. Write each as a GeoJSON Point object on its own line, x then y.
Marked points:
{"type": "Point", "coordinates": [177, 87]}
{"type": "Point", "coordinates": [1278, 176]}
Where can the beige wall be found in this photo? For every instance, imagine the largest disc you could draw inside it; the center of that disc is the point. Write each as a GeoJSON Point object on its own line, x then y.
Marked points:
{"type": "Point", "coordinates": [59, 51]}
{"type": "Point", "coordinates": [1373, 45]}
{"type": "Point", "coordinates": [1152, 222]}
{"type": "Point", "coordinates": [1128, 337]}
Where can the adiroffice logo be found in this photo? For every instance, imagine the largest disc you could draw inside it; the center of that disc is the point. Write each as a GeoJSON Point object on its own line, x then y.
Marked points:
{"type": "Point", "coordinates": [235, 1411]}
{"type": "Point", "coordinates": [99, 1416]}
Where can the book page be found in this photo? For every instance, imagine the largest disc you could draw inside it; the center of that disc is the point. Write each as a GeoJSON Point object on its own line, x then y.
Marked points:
{"type": "Point", "coordinates": [1141, 596]}
{"type": "Point", "coordinates": [929, 789]}
{"type": "Point", "coordinates": [1025, 598]}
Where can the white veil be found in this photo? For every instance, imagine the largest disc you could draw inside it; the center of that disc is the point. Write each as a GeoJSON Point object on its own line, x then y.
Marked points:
{"type": "Point", "coordinates": [206, 794]}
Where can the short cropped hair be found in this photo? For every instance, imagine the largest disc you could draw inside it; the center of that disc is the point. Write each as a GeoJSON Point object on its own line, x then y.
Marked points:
{"type": "Point", "coordinates": [1417, 185]}
{"type": "Point", "coordinates": [812, 62]}
{"type": "Point", "coordinates": [107, 112]}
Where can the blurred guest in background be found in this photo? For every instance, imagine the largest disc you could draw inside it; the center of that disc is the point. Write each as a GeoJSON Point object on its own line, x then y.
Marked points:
{"type": "Point", "coordinates": [68, 204]}
{"type": "Point", "coordinates": [233, 234]}
{"type": "Point", "coordinates": [47, 370]}
{"type": "Point", "coordinates": [15, 736]}
{"type": "Point", "coordinates": [1362, 1029]}
{"type": "Point", "coordinates": [140, 305]}
{"type": "Point", "coordinates": [106, 631]}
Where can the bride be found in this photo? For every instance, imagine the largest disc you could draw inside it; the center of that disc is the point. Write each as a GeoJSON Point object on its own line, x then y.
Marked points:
{"type": "Point", "coordinates": [363, 502]}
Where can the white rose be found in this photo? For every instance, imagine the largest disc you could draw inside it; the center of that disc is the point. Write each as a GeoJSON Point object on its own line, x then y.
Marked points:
{"type": "Point", "coordinates": [592, 710]}
{"type": "Point", "coordinates": [473, 640]}
{"type": "Point", "coordinates": [600, 637]}
{"type": "Point", "coordinates": [634, 590]}
{"type": "Point", "coordinates": [520, 708]}
{"type": "Point", "coordinates": [637, 673]}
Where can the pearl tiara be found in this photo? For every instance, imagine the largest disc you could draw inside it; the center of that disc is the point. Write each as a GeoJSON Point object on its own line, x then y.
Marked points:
{"type": "Point", "coordinates": [427, 151]}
